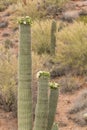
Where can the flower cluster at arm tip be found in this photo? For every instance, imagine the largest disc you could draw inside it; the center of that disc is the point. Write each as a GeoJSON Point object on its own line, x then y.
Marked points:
{"type": "Point", "coordinates": [25, 20]}
{"type": "Point", "coordinates": [43, 74]}
{"type": "Point", "coordinates": [54, 85]}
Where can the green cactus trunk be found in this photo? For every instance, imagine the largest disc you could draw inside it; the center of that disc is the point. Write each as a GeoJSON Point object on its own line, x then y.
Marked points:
{"type": "Point", "coordinates": [53, 99]}
{"type": "Point", "coordinates": [53, 37]}
{"type": "Point", "coordinates": [25, 77]}
{"type": "Point", "coordinates": [41, 113]}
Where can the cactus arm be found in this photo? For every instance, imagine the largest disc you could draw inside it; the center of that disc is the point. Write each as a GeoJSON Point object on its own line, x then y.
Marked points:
{"type": "Point", "coordinates": [53, 100]}
{"type": "Point", "coordinates": [25, 74]}
{"type": "Point", "coordinates": [53, 37]}
{"type": "Point", "coordinates": [41, 113]}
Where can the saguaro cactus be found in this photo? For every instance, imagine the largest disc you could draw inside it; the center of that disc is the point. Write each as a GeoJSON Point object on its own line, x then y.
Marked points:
{"type": "Point", "coordinates": [25, 76]}
{"type": "Point", "coordinates": [46, 106]}
{"type": "Point", "coordinates": [53, 99]}
{"type": "Point", "coordinates": [53, 37]}
{"type": "Point", "coordinates": [41, 114]}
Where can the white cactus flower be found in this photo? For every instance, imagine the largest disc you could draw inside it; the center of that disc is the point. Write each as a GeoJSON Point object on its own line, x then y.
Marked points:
{"type": "Point", "coordinates": [56, 85]}
{"type": "Point", "coordinates": [53, 85]}
{"type": "Point", "coordinates": [24, 22]}
{"type": "Point", "coordinates": [27, 16]}
{"type": "Point", "coordinates": [43, 73]}
{"type": "Point", "coordinates": [38, 73]}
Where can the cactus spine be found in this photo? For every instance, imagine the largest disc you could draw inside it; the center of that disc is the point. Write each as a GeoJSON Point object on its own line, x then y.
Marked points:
{"type": "Point", "coordinates": [25, 76]}
{"type": "Point", "coordinates": [53, 37]}
{"type": "Point", "coordinates": [53, 99]}
{"type": "Point", "coordinates": [41, 114]}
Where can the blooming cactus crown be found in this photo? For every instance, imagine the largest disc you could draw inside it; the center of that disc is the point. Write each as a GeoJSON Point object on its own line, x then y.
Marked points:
{"type": "Point", "coordinates": [54, 85]}
{"type": "Point", "coordinates": [43, 74]}
{"type": "Point", "coordinates": [25, 20]}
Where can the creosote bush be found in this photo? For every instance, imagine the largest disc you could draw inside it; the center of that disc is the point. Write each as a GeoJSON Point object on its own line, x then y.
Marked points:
{"type": "Point", "coordinates": [8, 79]}
{"type": "Point", "coordinates": [71, 46]}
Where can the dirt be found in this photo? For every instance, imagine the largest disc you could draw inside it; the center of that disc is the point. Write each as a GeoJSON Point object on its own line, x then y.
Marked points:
{"type": "Point", "coordinates": [65, 103]}
{"type": "Point", "coordinates": [7, 121]}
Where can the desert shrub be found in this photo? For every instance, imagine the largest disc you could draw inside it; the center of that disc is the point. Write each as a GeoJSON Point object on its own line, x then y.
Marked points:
{"type": "Point", "coordinates": [7, 2]}
{"type": "Point", "coordinates": [33, 8]}
{"type": "Point", "coordinates": [39, 8]}
{"type": "Point", "coordinates": [80, 104]}
{"type": "Point", "coordinates": [8, 43]}
{"type": "Point", "coordinates": [82, 19]}
{"type": "Point", "coordinates": [41, 36]}
{"type": "Point", "coordinates": [8, 79]}
{"type": "Point", "coordinates": [69, 84]}
{"type": "Point", "coordinates": [59, 3]}
{"type": "Point", "coordinates": [71, 48]}
{"type": "Point", "coordinates": [2, 7]}
{"type": "Point", "coordinates": [4, 4]}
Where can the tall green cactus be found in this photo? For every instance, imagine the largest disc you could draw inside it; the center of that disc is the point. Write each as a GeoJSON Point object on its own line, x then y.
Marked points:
{"type": "Point", "coordinates": [41, 114]}
{"type": "Point", "coordinates": [53, 99]}
{"type": "Point", "coordinates": [53, 37]}
{"type": "Point", "coordinates": [25, 76]}
{"type": "Point", "coordinates": [46, 106]}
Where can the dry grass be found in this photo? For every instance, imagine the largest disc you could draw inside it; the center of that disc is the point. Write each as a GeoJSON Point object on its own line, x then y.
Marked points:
{"type": "Point", "coordinates": [41, 36]}
{"type": "Point", "coordinates": [38, 63]}
{"type": "Point", "coordinates": [31, 8]}
{"type": "Point", "coordinates": [4, 4]}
